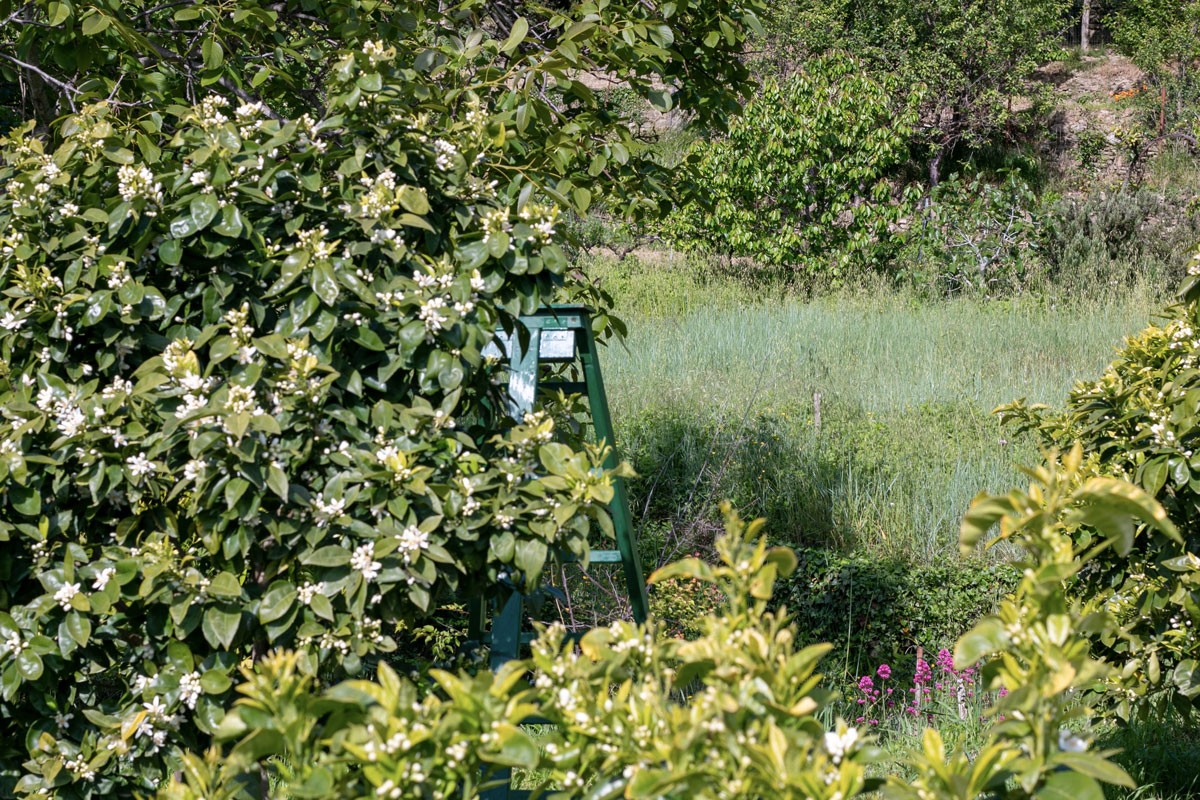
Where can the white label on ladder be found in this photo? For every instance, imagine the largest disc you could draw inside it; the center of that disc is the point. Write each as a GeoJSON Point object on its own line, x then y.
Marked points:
{"type": "Point", "coordinates": [555, 346]}
{"type": "Point", "coordinates": [558, 345]}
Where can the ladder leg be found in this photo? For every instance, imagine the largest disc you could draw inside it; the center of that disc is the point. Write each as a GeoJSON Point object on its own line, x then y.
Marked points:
{"type": "Point", "coordinates": [506, 631]}
{"type": "Point", "coordinates": [619, 507]}
{"type": "Point", "coordinates": [506, 646]}
{"type": "Point", "coordinates": [476, 617]}
{"type": "Point", "coordinates": [523, 374]}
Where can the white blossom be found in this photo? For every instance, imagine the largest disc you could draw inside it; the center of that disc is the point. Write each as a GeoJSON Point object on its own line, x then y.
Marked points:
{"type": "Point", "coordinates": [431, 314]}
{"type": "Point", "coordinates": [309, 590]}
{"type": "Point", "coordinates": [155, 709]}
{"type": "Point", "coordinates": [377, 51]}
{"type": "Point", "coordinates": [838, 745]}
{"type": "Point", "coordinates": [189, 689]}
{"type": "Point", "coordinates": [327, 510]}
{"type": "Point", "coordinates": [364, 561]}
{"type": "Point", "coordinates": [65, 594]}
{"type": "Point", "coordinates": [139, 465]}
{"type": "Point", "coordinates": [103, 577]}
{"type": "Point", "coordinates": [1070, 743]}
{"type": "Point", "coordinates": [444, 153]}
{"type": "Point", "coordinates": [14, 644]}
{"type": "Point", "coordinates": [138, 182]}
{"type": "Point", "coordinates": [412, 541]}
{"type": "Point", "coordinates": [193, 469]}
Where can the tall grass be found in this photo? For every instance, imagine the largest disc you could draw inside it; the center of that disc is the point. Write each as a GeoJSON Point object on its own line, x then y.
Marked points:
{"type": "Point", "coordinates": [855, 421]}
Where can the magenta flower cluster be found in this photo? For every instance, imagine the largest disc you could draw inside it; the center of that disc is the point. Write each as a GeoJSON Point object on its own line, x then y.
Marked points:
{"type": "Point", "coordinates": [873, 697]}
{"type": "Point", "coordinates": [953, 684]}
{"type": "Point", "coordinates": [938, 689]}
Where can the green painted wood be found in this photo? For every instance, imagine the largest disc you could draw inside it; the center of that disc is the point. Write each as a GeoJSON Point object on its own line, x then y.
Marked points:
{"type": "Point", "coordinates": [619, 507]}
{"type": "Point", "coordinates": [524, 350]}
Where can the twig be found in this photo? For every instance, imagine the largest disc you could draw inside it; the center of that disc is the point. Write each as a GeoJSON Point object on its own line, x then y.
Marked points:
{"type": "Point", "coordinates": [65, 87]}
{"type": "Point", "coordinates": [16, 14]}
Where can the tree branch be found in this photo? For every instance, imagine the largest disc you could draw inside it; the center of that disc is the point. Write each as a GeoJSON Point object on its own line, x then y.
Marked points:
{"type": "Point", "coordinates": [66, 88]}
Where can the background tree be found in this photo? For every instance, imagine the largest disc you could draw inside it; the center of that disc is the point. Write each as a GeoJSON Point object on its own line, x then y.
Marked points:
{"type": "Point", "coordinates": [971, 59]}
{"type": "Point", "coordinates": [1163, 38]}
{"type": "Point", "coordinates": [804, 178]}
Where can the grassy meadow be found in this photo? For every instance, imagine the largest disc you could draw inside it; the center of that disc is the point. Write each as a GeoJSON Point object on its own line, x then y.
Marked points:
{"type": "Point", "coordinates": [860, 421]}
{"type": "Point", "coordinates": [716, 391]}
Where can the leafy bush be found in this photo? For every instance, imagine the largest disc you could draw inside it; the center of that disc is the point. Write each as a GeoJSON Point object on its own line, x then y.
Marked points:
{"type": "Point", "coordinates": [244, 398]}
{"type": "Point", "coordinates": [959, 60]}
{"type": "Point", "coordinates": [1162, 37]}
{"type": "Point", "coordinates": [1114, 239]}
{"type": "Point", "coordinates": [975, 236]}
{"type": "Point", "coordinates": [802, 179]}
{"type": "Point", "coordinates": [882, 610]}
{"type": "Point", "coordinates": [732, 714]}
{"type": "Point", "coordinates": [1139, 421]}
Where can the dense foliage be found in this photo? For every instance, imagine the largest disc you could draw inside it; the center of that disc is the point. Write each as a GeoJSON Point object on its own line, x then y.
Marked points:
{"type": "Point", "coordinates": [1163, 38]}
{"type": "Point", "coordinates": [962, 62]}
{"type": "Point", "coordinates": [976, 236]}
{"type": "Point", "coordinates": [883, 610]}
{"type": "Point", "coordinates": [1139, 421]}
{"type": "Point", "coordinates": [241, 376]}
{"type": "Point", "coordinates": [803, 179]}
{"type": "Point", "coordinates": [750, 724]}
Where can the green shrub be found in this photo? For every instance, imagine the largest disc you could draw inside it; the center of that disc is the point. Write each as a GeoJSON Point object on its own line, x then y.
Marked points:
{"type": "Point", "coordinates": [1110, 241]}
{"type": "Point", "coordinates": [1140, 421]}
{"type": "Point", "coordinates": [882, 610]}
{"type": "Point", "coordinates": [733, 714]}
{"type": "Point", "coordinates": [975, 236]}
{"type": "Point", "coordinates": [802, 180]}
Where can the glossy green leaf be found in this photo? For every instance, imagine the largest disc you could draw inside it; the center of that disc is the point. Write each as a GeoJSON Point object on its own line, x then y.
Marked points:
{"type": "Point", "coordinates": [220, 625]}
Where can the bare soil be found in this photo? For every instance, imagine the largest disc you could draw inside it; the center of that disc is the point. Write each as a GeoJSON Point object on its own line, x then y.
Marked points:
{"type": "Point", "coordinates": [1095, 104]}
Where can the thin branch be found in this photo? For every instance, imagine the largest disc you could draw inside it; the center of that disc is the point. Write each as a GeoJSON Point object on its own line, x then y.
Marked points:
{"type": "Point", "coordinates": [16, 14]}
{"type": "Point", "coordinates": [50, 79]}
{"type": "Point", "coordinates": [153, 9]}
{"type": "Point", "coordinates": [246, 97]}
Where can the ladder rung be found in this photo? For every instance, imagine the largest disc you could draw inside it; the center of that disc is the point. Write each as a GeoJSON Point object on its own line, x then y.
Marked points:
{"type": "Point", "coordinates": [536, 721]}
{"type": "Point", "coordinates": [598, 557]}
{"type": "Point", "coordinates": [567, 387]}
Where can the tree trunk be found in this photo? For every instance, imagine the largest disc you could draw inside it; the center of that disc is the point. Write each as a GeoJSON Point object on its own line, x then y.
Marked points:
{"type": "Point", "coordinates": [42, 98]}
{"type": "Point", "coordinates": [935, 167]}
{"type": "Point", "coordinates": [1085, 27]}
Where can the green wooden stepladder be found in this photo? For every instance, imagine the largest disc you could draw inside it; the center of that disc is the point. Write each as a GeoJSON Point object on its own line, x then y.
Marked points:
{"type": "Point", "coordinates": [557, 335]}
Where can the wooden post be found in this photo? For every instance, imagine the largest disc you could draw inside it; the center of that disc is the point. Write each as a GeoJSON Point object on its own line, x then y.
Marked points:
{"type": "Point", "coordinates": [1085, 27]}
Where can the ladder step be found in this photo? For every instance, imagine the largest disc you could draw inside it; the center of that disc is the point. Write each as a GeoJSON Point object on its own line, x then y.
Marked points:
{"type": "Point", "coordinates": [528, 636]}
{"type": "Point", "coordinates": [567, 387]}
{"type": "Point", "coordinates": [597, 557]}
{"type": "Point", "coordinates": [536, 721]}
